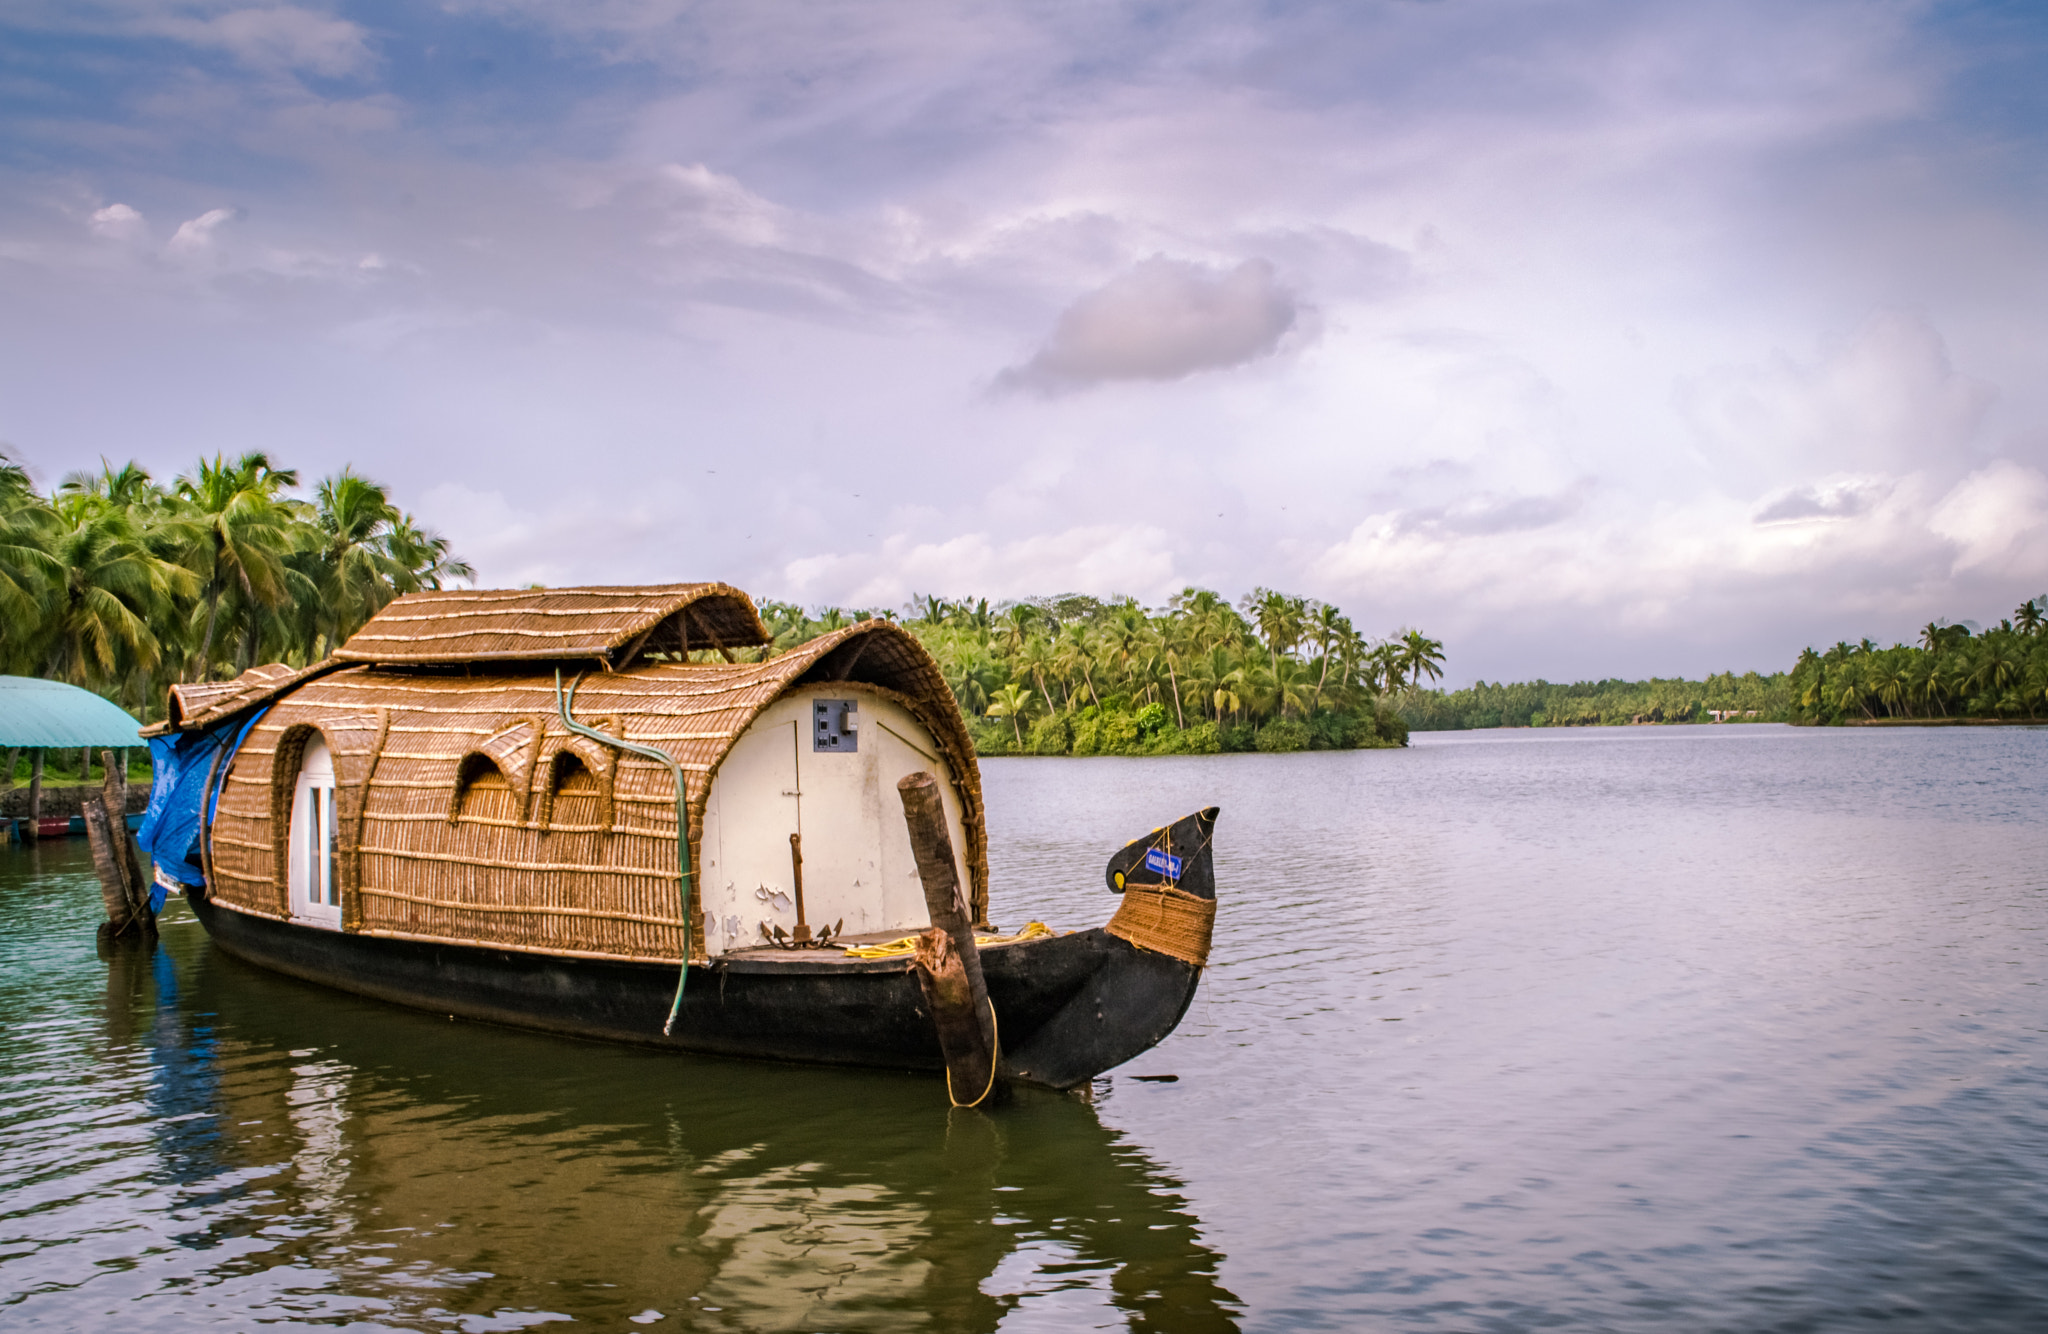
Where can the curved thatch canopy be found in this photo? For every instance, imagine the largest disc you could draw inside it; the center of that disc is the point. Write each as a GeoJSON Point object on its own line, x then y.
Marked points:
{"type": "Point", "coordinates": [588, 869]}
{"type": "Point", "coordinates": [205, 703]}
{"type": "Point", "coordinates": [610, 624]}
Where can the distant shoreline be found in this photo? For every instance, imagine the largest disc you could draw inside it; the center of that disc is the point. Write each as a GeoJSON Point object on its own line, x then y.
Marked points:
{"type": "Point", "coordinates": [1945, 722]}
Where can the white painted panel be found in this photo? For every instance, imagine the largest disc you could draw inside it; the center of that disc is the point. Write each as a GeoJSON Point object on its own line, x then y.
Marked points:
{"type": "Point", "coordinates": [858, 866]}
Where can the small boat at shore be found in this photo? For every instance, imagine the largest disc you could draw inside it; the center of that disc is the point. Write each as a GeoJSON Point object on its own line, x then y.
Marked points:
{"type": "Point", "coordinates": [576, 810]}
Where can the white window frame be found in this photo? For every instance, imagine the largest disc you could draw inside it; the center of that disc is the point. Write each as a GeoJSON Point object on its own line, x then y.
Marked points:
{"type": "Point", "coordinates": [315, 841]}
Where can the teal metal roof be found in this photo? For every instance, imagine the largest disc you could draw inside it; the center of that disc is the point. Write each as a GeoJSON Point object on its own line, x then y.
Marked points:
{"type": "Point", "coordinates": [34, 712]}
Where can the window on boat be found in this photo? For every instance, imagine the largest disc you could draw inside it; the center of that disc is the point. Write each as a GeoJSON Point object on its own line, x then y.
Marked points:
{"type": "Point", "coordinates": [483, 794]}
{"type": "Point", "coordinates": [575, 797]}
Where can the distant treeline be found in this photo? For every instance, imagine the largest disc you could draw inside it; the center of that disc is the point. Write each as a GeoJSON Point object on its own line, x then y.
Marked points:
{"type": "Point", "coordinates": [1077, 675]}
{"type": "Point", "coordinates": [1955, 671]}
{"type": "Point", "coordinates": [1745, 698]}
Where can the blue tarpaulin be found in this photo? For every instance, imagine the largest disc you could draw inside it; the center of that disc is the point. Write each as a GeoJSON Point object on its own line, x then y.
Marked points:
{"type": "Point", "coordinates": [170, 827]}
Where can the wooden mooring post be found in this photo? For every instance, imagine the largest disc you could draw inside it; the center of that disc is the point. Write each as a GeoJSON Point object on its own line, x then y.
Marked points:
{"type": "Point", "coordinates": [946, 960]}
{"type": "Point", "coordinates": [29, 827]}
{"type": "Point", "coordinates": [122, 888]}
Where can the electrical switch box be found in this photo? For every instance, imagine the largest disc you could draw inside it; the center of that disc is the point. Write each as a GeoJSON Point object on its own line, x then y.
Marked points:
{"type": "Point", "coordinates": [835, 725]}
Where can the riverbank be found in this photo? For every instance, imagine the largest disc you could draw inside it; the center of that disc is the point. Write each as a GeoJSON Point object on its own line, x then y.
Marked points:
{"type": "Point", "coordinates": [66, 801]}
{"type": "Point", "coordinates": [1944, 722]}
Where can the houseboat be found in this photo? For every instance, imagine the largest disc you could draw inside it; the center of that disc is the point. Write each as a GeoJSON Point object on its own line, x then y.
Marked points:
{"type": "Point", "coordinates": [583, 810]}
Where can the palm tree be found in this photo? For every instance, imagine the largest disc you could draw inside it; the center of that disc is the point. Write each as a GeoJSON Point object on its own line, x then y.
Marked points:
{"type": "Point", "coordinates": [424, 555]}
{"type": "Point", "coordinates": [127, 487]}
{"type": "Point", "coordinates": [1075, 654]}
{"type": "Point", "coordinates": [1420, 654]}
{"type": "Point", "coordinates": [109, 592]}
{"type": "Point", "coordinates": [1013, 702]}
{"type": "Point", "coordinates": [1036, 658]}
{"type": "Point", "coordinates": [1280, 690]}
{"type": "Point", "coordinates": [241, 531]}
{"type": "Point", "coordinates": [1219, 680]}
{"type": "Point", "coordinates": [1355, 662]}
{"type": "Point", "coordinates": [1280, 620]}
{"type": "Point", "coordinates": [1997, 662]}
{"type": "Point", "coordinates": [1326, 629]}
{"type": "Point", "coordinates": [1892, 679]}
{"type": "Point", "coordinates": [1211, 621]}
{"type": "Point", "coordinates": [1017, 621]}
{"type": "Point", "coordinates": [1850, 686]}
{"type": "Point", "coordinates": [27, 568]}
{"type": "Point", "coordinates": [1123, 637]}
{"type": "Point", "coordinates": [1164, 645]}
{"type": "Point", "coordinates": [351, 564]}
{"type": "Point", "coordinates": [2028, 619]}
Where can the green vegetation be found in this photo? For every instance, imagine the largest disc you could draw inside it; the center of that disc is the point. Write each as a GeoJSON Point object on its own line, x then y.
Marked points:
{"type": "Point", "coordinates": [63, 768]}
{"type": "Point", "coordinates": [1954, 672]}
{"type": "Point", "coordinates": [1746, 698]}
{"type": "Point", "coordinates": [1077, 675]}
{"type": "Point", "coordinates": [123, 586]}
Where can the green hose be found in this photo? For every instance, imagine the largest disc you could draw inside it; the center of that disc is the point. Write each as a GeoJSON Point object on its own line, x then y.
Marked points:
{"type": "Point", "coordinates": [563, 704]}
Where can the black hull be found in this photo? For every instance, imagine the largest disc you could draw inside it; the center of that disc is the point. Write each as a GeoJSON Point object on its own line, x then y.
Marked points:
{"type": "Point", "coordinates": [1067, 1008]}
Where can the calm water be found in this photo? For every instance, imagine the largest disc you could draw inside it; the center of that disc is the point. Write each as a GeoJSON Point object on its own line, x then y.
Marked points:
{"type": "Point", "coordinates": [1691, 1029]}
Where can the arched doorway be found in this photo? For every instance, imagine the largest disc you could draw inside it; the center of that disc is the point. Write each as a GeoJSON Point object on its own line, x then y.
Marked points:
{"type": "Point", "coordinates": [316, 897]}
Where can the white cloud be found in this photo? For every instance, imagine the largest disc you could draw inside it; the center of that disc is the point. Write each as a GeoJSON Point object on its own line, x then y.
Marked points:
{"type": "Point", "coordinates": [1887, 398]}
{"type": "Point", "coordinates": [1163, 320]}
{"type": "Point", "coordinates": [282, 37]}
{"type": "Point", "coordinates": [195, 235]}
{"type": "Point", "coordinates": [1998, 519]}
{"type": "Point", "coordinates": [705, 200]}
{"type": "Point", "coordinates": [1893, 542]}
{"type": "Point", "coordinates": [118, 222]}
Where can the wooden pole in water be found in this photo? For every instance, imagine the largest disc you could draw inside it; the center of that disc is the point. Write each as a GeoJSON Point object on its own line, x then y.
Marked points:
{"type": "Point", "coordinates": [946, 960]}
{"type": "Point", "coordinates": [35, 795]}
{"type": "Point", "coordinates": [114, 793]}
{"type": "Point", "coordinates": [106, 861]}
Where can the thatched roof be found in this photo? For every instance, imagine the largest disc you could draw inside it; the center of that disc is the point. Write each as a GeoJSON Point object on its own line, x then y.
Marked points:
{"type": "Point", "coordinates": [611, 625]}
{"type": "Point", "coordinates": [204, 703]}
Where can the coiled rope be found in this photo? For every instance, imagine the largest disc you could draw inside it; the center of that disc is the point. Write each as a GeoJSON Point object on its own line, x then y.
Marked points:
{"type": "Point", "coordinates": [891, 949]}
{"type": "Point", "coordinates": [995, 1058]}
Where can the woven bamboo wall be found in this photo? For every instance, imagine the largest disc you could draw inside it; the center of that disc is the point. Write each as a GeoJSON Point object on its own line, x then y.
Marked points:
{"type": "Point", "coordinates": [563, 846]}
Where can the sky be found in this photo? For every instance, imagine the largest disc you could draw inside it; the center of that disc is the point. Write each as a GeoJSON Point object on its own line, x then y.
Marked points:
{"type": "Point", "coordinates": [1594, 339]}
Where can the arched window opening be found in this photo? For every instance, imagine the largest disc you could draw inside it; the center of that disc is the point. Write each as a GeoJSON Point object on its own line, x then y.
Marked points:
{"type": "Point", "coordinates": [575, 797]}
{"type": "Point", "coordinates": [483, 793]}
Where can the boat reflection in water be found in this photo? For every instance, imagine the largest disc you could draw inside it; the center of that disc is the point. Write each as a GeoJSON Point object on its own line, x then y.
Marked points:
{"type": "Point", "coordinates": [339, 1158]}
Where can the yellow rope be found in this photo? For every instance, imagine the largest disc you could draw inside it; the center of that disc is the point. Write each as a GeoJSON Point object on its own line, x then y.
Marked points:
{"type": "Point", "coordinates": [995, 1058]}
{"type": "Point", "coordinates": [890, 949]}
